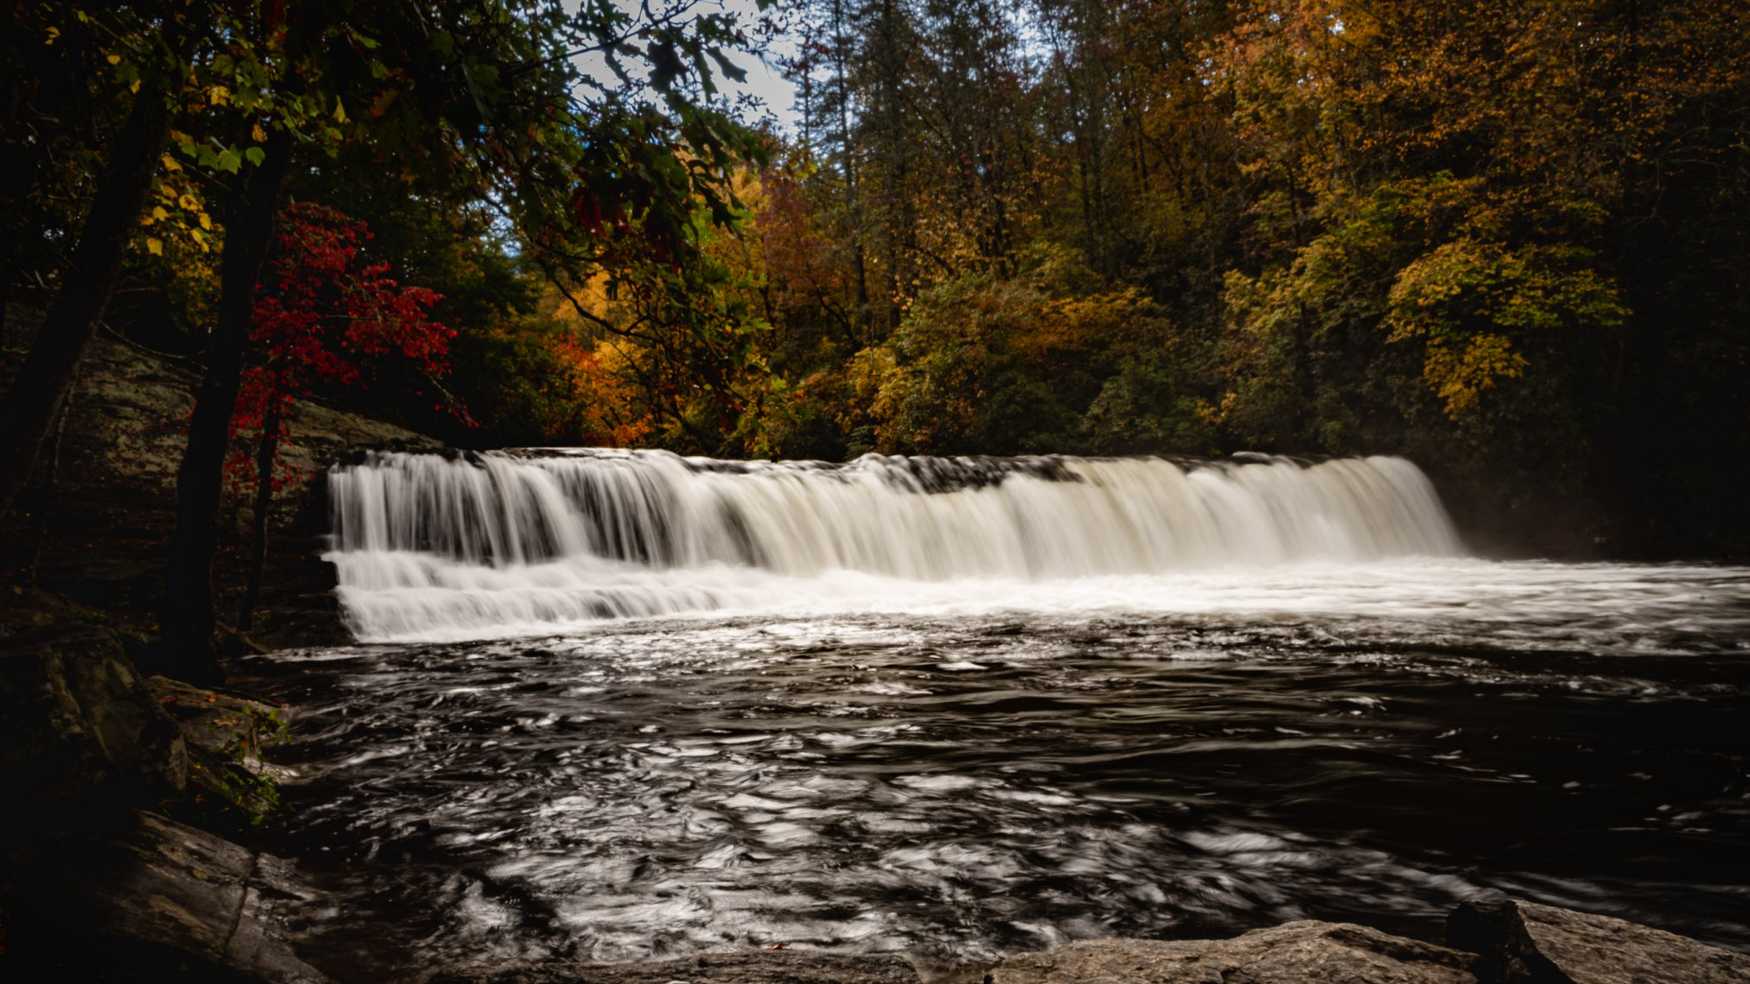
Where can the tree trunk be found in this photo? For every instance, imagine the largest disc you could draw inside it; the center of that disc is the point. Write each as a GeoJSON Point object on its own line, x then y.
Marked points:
{"type": "Point", "coordinates": [47, 374]}
{"type": "Point", "coordinates": [265, 453]}
{"type": "Point", "coordinates": [853, 205]}
{"type": "Point", "coordinates": [187, 619]}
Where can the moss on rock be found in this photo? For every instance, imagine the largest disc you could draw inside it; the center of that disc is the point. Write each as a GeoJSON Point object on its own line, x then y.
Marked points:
{"type": "Point", "coordinates": [229, 782]}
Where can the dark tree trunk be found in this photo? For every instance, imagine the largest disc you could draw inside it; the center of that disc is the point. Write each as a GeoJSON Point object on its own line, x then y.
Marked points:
{"type": "Point", "coordinates": [187, 619]}
{"type": "Point", "coordinates": [265, 452]}
{"type": "Point", "coordinates": [853, 205]}
{"type": "Point", "coordinates": [47, 374]}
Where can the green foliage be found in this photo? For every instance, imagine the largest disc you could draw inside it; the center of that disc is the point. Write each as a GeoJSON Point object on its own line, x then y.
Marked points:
{"type": "Point", "coordinates": [1034, 362]}
{"type": "Point", "coordinates": [515, 381]}
{"type": "Point", "coordinates": [1150, 406]}
{"type": "Point", "coordinates": [1468, 301]}
{"type": "Point", "coordinates": [1402, 262]}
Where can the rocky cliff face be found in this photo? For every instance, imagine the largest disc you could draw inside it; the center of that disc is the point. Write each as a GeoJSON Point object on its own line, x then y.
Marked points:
{"type": "Point", "coordinates": [163, 900]}
{"type": "Point", "coordinates": [96, 518]}
{"type": "Point", "coordinates": [81, 735]}
{"type": "Point", "coordinates": [90, 887]}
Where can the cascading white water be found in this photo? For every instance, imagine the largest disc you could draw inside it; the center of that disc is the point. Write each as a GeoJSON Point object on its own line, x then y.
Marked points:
{"type": "Point", "coordinates": [428, 545]}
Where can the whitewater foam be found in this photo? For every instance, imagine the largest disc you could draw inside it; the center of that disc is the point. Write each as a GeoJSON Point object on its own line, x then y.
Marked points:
{"type": "Point", "coordinates": [431, 546]}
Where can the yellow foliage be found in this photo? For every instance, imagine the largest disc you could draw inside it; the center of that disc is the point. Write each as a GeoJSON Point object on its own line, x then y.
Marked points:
{"type": "Point", "coordinates": [182, 242]}
{"type": "Point", "coordinates": [592, 295]}
{"type": "Point", "coordinates": [1458, 376]}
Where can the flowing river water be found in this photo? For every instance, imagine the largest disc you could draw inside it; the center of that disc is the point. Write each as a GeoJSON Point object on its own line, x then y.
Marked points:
{"type": "Point", "coordinates": [618, 705]}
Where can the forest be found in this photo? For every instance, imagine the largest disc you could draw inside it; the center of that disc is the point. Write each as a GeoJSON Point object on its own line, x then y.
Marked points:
{"type": "Point", "coordinates": [1508, 241]}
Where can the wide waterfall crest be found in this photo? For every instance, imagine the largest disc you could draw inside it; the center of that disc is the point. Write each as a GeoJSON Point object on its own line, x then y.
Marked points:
{"type": "Point", "coordinates": [427, 542]}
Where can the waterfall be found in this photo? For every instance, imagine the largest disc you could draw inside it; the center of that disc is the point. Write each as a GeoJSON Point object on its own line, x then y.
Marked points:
{"type": "Point", "coordinates": [513, 541]}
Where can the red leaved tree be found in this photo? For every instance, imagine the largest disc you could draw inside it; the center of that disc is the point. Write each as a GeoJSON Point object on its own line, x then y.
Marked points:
{"type": "Point", "coordinates": [325, 319]}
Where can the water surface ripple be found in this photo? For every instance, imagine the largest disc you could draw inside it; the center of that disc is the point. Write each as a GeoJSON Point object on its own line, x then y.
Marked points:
{"type": "Point", "coordinates": [978, 768]}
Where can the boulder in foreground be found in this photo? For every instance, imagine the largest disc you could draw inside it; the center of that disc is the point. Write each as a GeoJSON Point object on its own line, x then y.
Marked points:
{"type": "Point", "coordinates": [1527, 943]}
{"type": "Point", "coordinates": [160, 901]}
{"type": "Point", "coordinates": [1294, 952]}
{"type": "Point", "coordinates": [1492, 940]}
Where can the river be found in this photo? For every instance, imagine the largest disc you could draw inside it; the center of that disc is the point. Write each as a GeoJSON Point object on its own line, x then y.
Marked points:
{"type": "Point", "coordinates": [623, 705]}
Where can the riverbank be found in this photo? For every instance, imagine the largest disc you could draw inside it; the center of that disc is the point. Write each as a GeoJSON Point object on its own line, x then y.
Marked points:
{"type": "Point", "coordinates": [100, 750]}
{"type": "Point", "coordinates": [99, 880]}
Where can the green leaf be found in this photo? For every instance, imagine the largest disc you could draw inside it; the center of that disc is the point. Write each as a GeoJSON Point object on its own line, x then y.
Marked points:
{"type": "Point", "coordinates": [255, 155]}
{"type": "Point", "coordinates": [230, 160]}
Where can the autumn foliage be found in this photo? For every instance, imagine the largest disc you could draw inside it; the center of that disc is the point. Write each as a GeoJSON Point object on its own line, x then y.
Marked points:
{"type": "Point", "coordinates": [327, 318]}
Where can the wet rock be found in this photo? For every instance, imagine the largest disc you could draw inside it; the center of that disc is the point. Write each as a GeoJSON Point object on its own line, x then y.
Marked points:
{"type": "Point", "coordinates": [1527, 943]}
{"type": "Point", "coordinates": [225, 732]}
{"type": "Point", "coordinates": [93, 527]}
{"type": "Point", "coordinates": [81, 736]}
{"type": "Point", "coordinates": [236, 645]}
{"type": "Point", "coordinates": [220, 721]}
{"type": "Point", "coordinates": [1337, 953]}
{"type": "Point", "coordinates": [161, 901]}
{"type": "Point", "coordinates": [1490, 926]}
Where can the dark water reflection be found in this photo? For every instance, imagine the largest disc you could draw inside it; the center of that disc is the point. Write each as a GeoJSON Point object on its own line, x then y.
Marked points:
{"type": "Point", "coordinates": [980, 783]}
